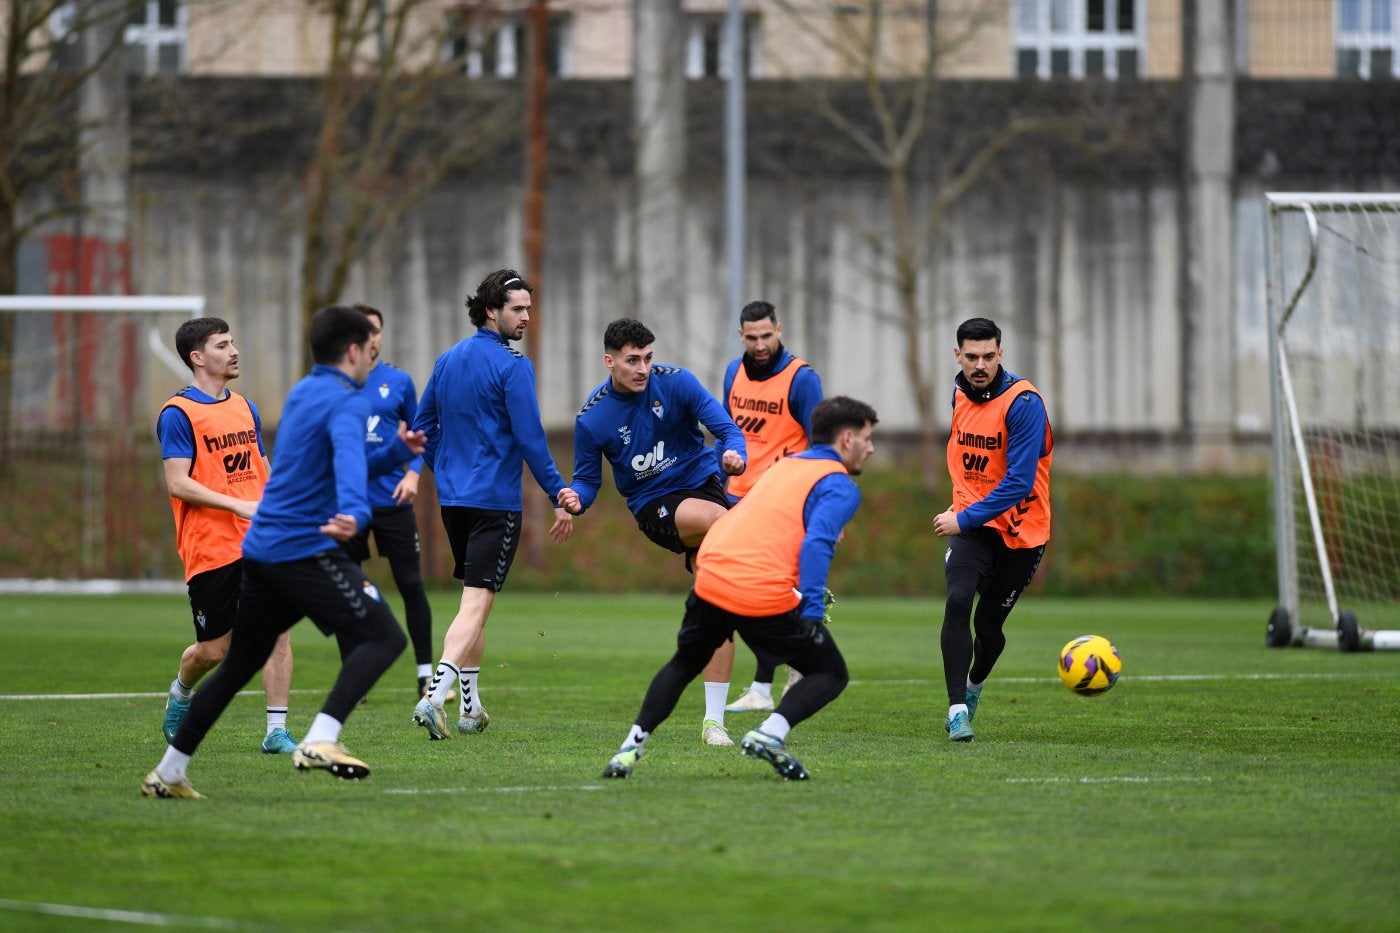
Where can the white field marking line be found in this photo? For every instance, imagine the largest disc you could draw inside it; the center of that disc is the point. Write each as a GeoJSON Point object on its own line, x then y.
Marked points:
{"type": "Point", "coordinates": [415, 791]}
{"type": "Point", "coordinates": [243, 693]}
{"type": "Point", "coordinates": [138, 917]}
{"type": "Point", "coordinates": [1339, 675]}
{"type": "Point", "coordinates": [1132, 779]}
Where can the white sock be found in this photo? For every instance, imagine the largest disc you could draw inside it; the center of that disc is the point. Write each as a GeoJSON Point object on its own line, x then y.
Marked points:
{"type": "Point", "coordinates": [425, 670]}
{"type": "Point", "coordinates": [957, 708]}
{"type": "Point", "coordinates": [776, 726]}
{"type": "Point", "coordinates": [763, 690]}
{"type": "Point", "coordinates": [973, 686]}
{"type": "Point", "coordinates": [443, 679]}
{"type": "Point", "coordinates": [716, 698]}
{"type": "Point", "coordinates": [794, 675]}
{"type": "Point", "coordinates": [635, 738]}
{"type": "Point", "coordinates": [469, 704]}
{"type": "Point", "coordinates": [179, 691]}
{"type": "Point", "coordinates": [171, 769]}
{"type": "Point", "coordinates": [323, 729]}
{"type": "Point", "coordinates": [276, 718]}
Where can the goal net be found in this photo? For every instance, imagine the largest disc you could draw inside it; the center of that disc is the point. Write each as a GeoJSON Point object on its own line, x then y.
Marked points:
{"type": "Point", "coordinates": [81, 379]}
{"type": "Point", "coordinates": [1334, 315]}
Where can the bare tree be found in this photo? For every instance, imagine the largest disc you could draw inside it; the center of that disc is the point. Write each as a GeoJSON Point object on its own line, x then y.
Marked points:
{"type": "Point", "coordinates": [39, 90]}
{"type": "Point", "coordinates": [384, 140]}
{"type": "Point", "coordinates": [52, 50]}
{"type": "Point", "coordinates": [893, 51]}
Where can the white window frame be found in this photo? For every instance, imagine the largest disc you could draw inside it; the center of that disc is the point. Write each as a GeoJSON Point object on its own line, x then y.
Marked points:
{"type": "Point", "coordinates": [510, 57]}
{"type": "Point", "coordinates": [1367, 39]}
{"type": "Point", "coordinates": [1075, 38]}
{"type": "Point", "coordinates": [151, 35]}
{"type": "Point", "coordinates": [695, 27]}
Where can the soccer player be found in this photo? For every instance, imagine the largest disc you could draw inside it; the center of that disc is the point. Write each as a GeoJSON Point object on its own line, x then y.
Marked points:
{"type": "Point", "coordinates": [762, 572]}
{"type": "Point", "coordinates": [999, 455]}
{"type": "Point", "coordinates": [393, 399]}
{"type": "Point", "coordinates": [482, 421]}
{"type": "Point", "coordinates": [770, 395]}
{"type": "Point", "coordinates": [293, 562]}
{"type": "Point", "coordinates": [215, 468]}
{"type": "Point", "coordinates": [645, 420]}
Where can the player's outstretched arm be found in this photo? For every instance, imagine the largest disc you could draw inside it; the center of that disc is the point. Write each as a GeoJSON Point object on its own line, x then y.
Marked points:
{"type": "Point", "coordinates": [341, 527]}
{"type": "Point", "coordinates": [563, 527]}
{"type": "Point", "coordinates": [569, 501]}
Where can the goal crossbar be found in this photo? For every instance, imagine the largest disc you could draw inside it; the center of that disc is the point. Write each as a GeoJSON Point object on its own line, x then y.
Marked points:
{"type": "Point", "coordinates": [192, 305]}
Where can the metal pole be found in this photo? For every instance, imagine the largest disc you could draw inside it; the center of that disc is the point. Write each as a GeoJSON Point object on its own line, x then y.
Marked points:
{"type": "Point", "coordinates": [536, 149]}
{"type": "Point", "coordinates": [734, 167]}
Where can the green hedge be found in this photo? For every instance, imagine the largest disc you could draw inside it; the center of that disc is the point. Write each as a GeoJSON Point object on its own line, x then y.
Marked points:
{"type": "Point", "coordinates": [1118, 535]}
{"type": "Point", "coordinates": [1114, 536]}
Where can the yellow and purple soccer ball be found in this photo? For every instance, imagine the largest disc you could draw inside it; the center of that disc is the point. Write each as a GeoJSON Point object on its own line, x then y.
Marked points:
{"type": "Point", "coordinates": [1089, 665]}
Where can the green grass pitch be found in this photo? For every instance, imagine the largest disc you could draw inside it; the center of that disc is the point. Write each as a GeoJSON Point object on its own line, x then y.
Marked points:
{"type": "Point", "coordinates": [1219, 786]}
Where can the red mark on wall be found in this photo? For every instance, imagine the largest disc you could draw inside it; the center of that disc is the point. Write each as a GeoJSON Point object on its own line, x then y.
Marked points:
{"type": "Point", "coordinates": [92, 347]}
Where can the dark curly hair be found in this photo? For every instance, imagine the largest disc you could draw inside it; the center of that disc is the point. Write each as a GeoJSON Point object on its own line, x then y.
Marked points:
{"type": "Point", "coordinates": [625, 331]}
{"type": "Point", "coordinates": [492, 292]}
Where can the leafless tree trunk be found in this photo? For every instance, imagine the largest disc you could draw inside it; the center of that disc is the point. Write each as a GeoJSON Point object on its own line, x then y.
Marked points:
{"type": "Point", "coordinates": [41, 137]}
{"type": "Point", "coordinates": [385, 69]}
{"type": "Point", "coordinates": [896, 120]}
{"type": "Point", "coordinates": [536, 149]}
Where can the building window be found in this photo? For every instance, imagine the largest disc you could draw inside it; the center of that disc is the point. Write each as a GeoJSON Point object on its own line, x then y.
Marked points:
{"type": "Point", "coordinates": [1078, 38]}
{"type": "Point", "coordinates": [1366, 38]}
{"type": "Point", "coordinates": [500, 49]}
{"type": "Point", "coordinates": [155, 37]}
{"type": "Point", "coordinates": [707, 55]}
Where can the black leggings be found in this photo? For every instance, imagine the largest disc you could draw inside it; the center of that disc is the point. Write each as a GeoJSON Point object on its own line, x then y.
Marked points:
{"type": "Point", "coordinates": [706, 626]}
{"type": "Point", "coordinates": [330, 589]}
{"type": "Point", "coordinates": [980, 563]}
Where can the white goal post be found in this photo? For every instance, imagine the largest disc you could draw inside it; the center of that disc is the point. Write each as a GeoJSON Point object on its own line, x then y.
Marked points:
{"type": "Point", "coordinates": [83, 377]}
{"type": "Point", "coordinates": [188, 305]}
{"type": "Point", "coordinates": [1334, 327]}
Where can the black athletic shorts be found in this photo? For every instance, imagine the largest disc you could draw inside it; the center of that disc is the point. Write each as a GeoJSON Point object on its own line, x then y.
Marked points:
{"type": "Point", "coordinates": [1002, 572]}
{"type": "Point", "coordinates": [328, 588]}
{"type": "Point", "coordinates": [483, 542]}
{"type": "Point", "coordinates": [214, 600]}
{"type": "Point", "coordinates": [657, 518]}
{"type": "Point", "coordinates": [395, 530]}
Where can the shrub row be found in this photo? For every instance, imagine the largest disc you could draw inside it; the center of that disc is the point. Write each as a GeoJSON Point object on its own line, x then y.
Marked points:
{"type": "Point", "coordinates": [1111, 536]}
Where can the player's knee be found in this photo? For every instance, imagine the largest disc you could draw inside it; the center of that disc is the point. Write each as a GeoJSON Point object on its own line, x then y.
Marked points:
{"type": "Point", "coordinates": [210, 653]}
{"type": "Point", "coordinates": [959, 601]}
{"type": "Point", "coordinates": [407, 575]}
{"type": "Point", "coordinates": [393, 640]}
{"type": "Point", "coordinates": [842, 674]}
{"type": "Point", "coordinates": [410, 586]}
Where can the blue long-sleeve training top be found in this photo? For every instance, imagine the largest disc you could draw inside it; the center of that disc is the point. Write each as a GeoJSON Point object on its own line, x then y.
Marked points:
{"type": "Point", "coordinates": [1025, 444]}
{"type": "Point", "coordinates": [830, 505]}
{"type": "Point", "coordinates": [392, 398]}
{"type": "Point", "coordinates": [320, 468]}
{"type": "Point", "coordinates": [652, 438]}
{"type": "Point", "coordinates": [482, 419]}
